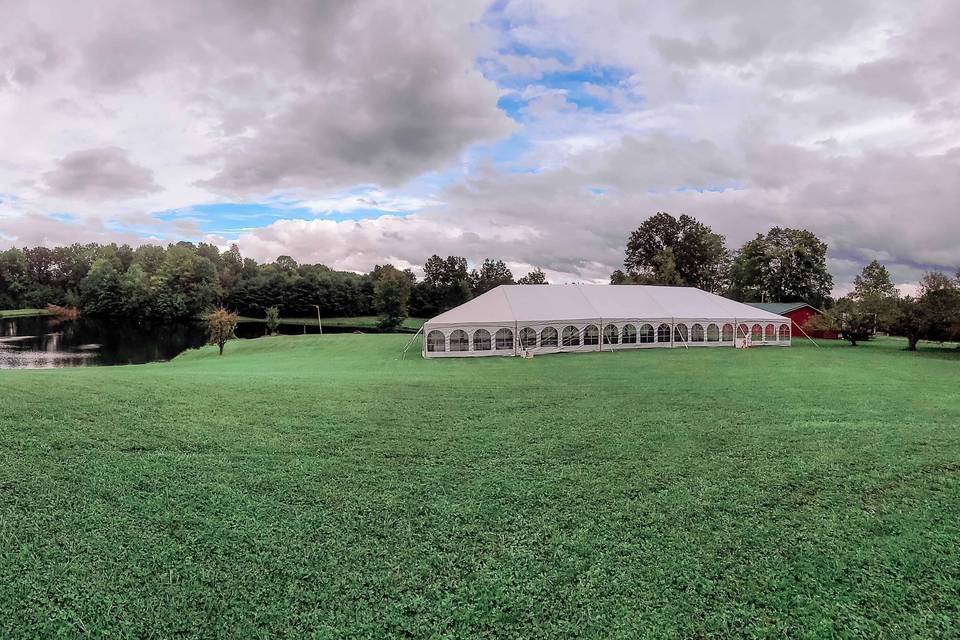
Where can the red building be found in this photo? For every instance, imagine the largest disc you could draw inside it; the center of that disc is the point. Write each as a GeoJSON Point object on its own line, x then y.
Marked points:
{"type": "Point", "coordinates": [799, 313]}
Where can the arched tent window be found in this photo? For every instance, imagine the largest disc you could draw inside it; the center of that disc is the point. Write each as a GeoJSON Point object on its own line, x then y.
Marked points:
{"type": "Point", "coordinates": [571, 336]}
{"type": "Point", "coordinates": [756, 333]}
{"type": "Point", "coordinates": [784, 332]}
{"type": "Point", "coordinates": [663, 333]}
{"type": "Point", "coordinates": [728, 332]}
{"type": "Point", "coordinates": [436, 341]}
{"type": "Point", "coordinates": [713, 333]}
{"type": "Point", "coordinates": [591, 335]}
{"type": "Point", "coordinates": [646, 334]}
{"type": "Point", "coordinates": [481, 340]}
{"type": "Point", "coordinates": [770, 333]}
{"type": "Point", "coordinates": [696, 333]}
{"type": "Point", "coordinates": [548, 337]}
{"type": "Point", "coordinates": [528, 338]}
{"type": "Point", "coordinates": [459, 341]}
{"type": "Point", "coordinates": [610, 334]}
{"type": "Point", "coordinates": [629, 334]}
{"type": "Point", "coordinates": [680, 333]}
{"type": "Point", "coordinates": [743, 331]}
{"type": "Point", "coordinates": [504, 340]}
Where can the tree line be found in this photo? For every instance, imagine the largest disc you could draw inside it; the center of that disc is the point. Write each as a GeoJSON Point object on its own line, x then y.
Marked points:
{"type": "Point", "coordinates": [779, 266]}
{"type": "Point", "coordinates": [789, 265]}
{"type": "Point", "coordinates": [875, 305]}
{"type": "Point", "coordinates": [187, 280]}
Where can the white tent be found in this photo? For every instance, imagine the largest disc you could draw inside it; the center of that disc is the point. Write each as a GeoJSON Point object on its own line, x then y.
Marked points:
{"type": "Point", "coordinates": [516, 319]}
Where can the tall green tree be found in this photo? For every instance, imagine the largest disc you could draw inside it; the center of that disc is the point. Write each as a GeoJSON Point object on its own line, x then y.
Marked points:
{"type": "Point", "coordinates": [490, 275]}
{"type": "Point", "coordinates": [14, 280]}
{"type": "Point", "coordinates": [135, 292]}
{"type": "Point", "coordinates": [391, 296]}
{"type": "Point", "coordinates": [676, 251]}
{"type": "Point", "coordinates": [876, 294]}
{"type": "Point", "coordinates": [534, 277]}
{"type": "Point", "coordinates": [873, 281]}
{"type": "Point", "coordinates": [933, 315]}
{"type": "Point", "coordinates": [446, 284]}
{"type": "Point", "coordinates": [186, 284]}
{"type": "Point", "coordinates": [100, 291]}
{"type": "Point", "coordinates": [784, 265]}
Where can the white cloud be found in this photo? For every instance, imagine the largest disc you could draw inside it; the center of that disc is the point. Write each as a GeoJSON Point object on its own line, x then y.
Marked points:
{"type": "Point", "coordinates": [838, 117]}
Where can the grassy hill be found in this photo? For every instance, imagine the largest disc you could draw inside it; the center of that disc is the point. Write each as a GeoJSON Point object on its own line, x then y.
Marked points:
{"type": "Point", "coordinates": [320, 485]}
{"type": "Point", "coordinates": [410, 325]}
{"type": "Point", "coordinates": [21, 313]}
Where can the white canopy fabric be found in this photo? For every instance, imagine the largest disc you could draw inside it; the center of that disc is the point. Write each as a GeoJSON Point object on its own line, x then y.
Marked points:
{"type": "Point", "coordinates": [536, 304]}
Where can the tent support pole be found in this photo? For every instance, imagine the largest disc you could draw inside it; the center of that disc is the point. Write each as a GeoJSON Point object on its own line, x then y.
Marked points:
{"type": "Point", "coordinates": [805, 334]}
{"type": "Point", "coordinates": [410, 342]}
{"type": "Point", "coordinates": [685, 345]}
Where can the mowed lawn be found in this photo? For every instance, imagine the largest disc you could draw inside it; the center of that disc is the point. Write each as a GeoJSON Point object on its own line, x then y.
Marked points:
{"type": "Point", "coordinates": [319, 486]}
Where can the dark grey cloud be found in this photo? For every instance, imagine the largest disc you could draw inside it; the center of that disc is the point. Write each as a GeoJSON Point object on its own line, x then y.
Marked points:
{"type": "Point", "coordinates": [99, 174]}
{"type": "Point", "coordinates": [838, 117]}
{"type": "Point", "coordinates": [373, 110]}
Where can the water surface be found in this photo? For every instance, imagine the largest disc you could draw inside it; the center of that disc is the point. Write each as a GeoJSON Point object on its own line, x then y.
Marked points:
{"type": "Point", "coordinates": [42, 342]}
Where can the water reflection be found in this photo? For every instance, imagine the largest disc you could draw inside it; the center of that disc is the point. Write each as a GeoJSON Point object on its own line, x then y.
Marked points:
{"type": "Point", "coordinates": [45, 342]}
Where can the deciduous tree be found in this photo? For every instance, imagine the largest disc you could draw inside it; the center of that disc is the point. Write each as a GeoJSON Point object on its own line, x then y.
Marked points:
{"type": "Point", "coordinates": [856, 323]}
{"type": "Point", "coordinates": [785, 265]}
{"type": "Point", "coordinates": [391, 296]}
{"type": "Point", "coordinates": [273, 320]}
{"type": "Point", "coordinates": [875, 292]}
{"type": "Point", "coordinates": [491, 274]}
{"type": "Point", "coordinates": [677, 251]}
{"type": "Point", "coordinates": [221, 325]}
{"type": "Point", "coordinates": [534, 277]}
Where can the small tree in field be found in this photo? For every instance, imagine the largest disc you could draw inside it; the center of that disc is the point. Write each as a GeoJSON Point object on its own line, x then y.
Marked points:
{"type": "Point", "coordinates": [221, 325]}
{"type": "Point", "coordinates": [273, 320]}
{"type": "Point", "coordinates": [857, 322]}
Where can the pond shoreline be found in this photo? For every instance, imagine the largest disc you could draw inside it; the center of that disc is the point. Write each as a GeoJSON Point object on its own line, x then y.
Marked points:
{"type": "Point", "coordinates": [39, 339]}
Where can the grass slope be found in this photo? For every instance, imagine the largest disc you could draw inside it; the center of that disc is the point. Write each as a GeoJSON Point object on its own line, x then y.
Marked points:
{"type": "Point", "coordinates": [20, 313]}
{"type": "Point", "coordinates": [320, 486]}
{"type": "Point", "coordinates": [361, 322]}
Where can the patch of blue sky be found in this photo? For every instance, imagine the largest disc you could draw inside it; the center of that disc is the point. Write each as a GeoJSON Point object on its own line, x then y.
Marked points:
{"type": "Point", "coordinates": [429, 184]}
{"type": "Point", "coordinates": [145, 230]}
{"type": "Point", "coordinates": [513, 105]}
{"type": "Point", "coordinates": [507, 155]}
{"type": "Point", "coordinates": [601, 75]}
{"type": "Point", "coordinates": [66, 218]}
{"type": "Point", "coordinates": [495, 18]}
{"type": "Point", "coordinates": [229, 219]}
{"type": "Point", "coordinates": [713, 188]}
{"type": "Point", "coordinates": [583, 88]}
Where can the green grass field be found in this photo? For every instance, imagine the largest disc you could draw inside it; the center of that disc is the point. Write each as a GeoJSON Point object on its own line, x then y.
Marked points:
{"type": "Point", "coordinates": [361, 322]}
{"type": "Point", "coordinates": [319, 486]}
{"type": "Point", "coordinates": [21, 313]}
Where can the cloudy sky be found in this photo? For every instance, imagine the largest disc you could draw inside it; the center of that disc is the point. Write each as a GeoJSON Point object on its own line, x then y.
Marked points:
{"type": "Point", "coordinates": [352, 133]}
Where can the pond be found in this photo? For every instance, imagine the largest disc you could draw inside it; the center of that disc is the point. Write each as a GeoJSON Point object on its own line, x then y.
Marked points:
{"type": "Point", "coordinates": [40, 342]}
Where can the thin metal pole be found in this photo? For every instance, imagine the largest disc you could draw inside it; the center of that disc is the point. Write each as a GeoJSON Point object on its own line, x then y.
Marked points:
{"type": "Point", "coordinates": [685, 346]}
{"type": "Point", "coordinates": [319, 324]}
{"type": "Point", "coordinates": [805, 334]}
{"type": "Point", "coordinates": [404, 352]}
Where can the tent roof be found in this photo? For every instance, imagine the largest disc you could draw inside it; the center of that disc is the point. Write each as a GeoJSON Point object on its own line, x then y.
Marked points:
{"type": "Point", "coordinates": [508, 304]}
